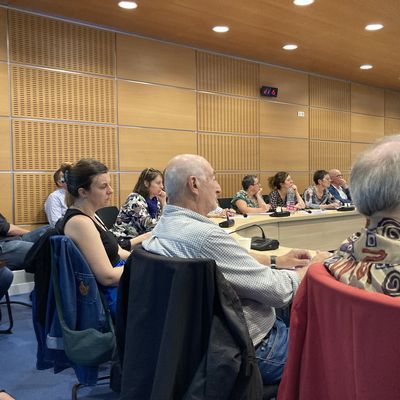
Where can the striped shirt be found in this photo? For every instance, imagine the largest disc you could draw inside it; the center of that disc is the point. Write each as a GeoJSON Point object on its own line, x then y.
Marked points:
{"type": "Point", "coordinates": [184, 233]}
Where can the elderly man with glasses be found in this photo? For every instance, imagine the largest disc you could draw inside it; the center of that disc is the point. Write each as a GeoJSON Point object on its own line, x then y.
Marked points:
{"type": "Point", "coordinates": [339, 188]}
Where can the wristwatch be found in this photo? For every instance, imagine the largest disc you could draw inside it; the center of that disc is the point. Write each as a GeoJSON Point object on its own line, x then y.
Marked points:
{"type": "Point", "coordinates": [273, 262]}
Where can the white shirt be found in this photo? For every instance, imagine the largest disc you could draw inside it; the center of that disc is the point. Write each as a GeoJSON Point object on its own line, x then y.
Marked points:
{"type": "Point", "coordinates": [184, 233]}
{"type": "Point", "coordinates": [55, 206]}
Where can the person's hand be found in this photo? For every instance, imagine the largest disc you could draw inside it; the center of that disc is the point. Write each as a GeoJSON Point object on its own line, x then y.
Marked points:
{"type": "Point", "coordinates": [343, 183]}
{"type": "Point", "coordinates": [320, 257]}
{"type": "Point", "coordinates": [294, 187]}
{"type": "Point", "coordinates": [139, 239]}
{"type": "Point", "coordinates": [259, 192]}
{"type": "Point", "coordinates": [296, 258]}
{"type": "Point", "coordinates": [162, 197]}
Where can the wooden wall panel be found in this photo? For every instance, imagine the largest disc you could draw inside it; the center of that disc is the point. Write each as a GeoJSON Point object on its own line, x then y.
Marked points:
{"type": "Point", "coordinates": [5, 147]}
{"type": "Point", "coordinates": [301, 179]}
{"type": "Point", "coordinates": [4, 93]}
{"type": "Point", "coordinates": [330, 125]}
{"type": "Point", "coordinates": [328, 155]}
{"type": "Point", "coordinates": [227, 75]}
{"type": "Point", "coordinates": [392, 104]}
{"type": "Point", "coordinates": [53, 43]}
{"type": "Point", "coordinates": [278, 119]}
{"type": "Point", "coordinates": [140, 148]}
{"type": "Point", "coordinates": [366, 128]}
{"type": "Point", "coordinates": [6, 196]}
{"type": "Point", "coordinates": [45, 145]}
{"type": "Point", "coordinates": [227, 114]}
{"type": "Point", "coordinates": [3, 34]}
{"type": "Point", "coordinates": [156, 106]}
{"type": "Point", "coordinates": [367, 100]}
{"type": "Point", "coordinates": [283, 154]}
{"type": "Point", "coordinates": [152, 61]}
{"type": "Point", "coordinates": [38, 93]}
{"type": "Point", "coordinates": [292, 86]}
{"type": "Point", "coordinates": [329, 93]}
{"type": "Point", "coordinates": [231, 183]}
{"type": "Point", "coordinates": [127, 182]}
{"type": "Point", "coordinates": [392, 126]}
{"type": "Point", "coordinates": [357, 149]}
{"type": "Point", "coordinates": [230, 153]}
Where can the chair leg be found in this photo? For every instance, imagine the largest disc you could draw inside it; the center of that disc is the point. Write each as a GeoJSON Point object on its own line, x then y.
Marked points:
{"type": "Point", "coordinates": [77, 386]}
{"type": "Point", "coordinates": [10, 316]}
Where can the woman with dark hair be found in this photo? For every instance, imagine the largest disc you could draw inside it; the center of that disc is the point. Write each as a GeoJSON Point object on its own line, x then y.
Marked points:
{"type": "Point", "coordinates": [143, 207]}
{"type": "Point", "coordinates": [318, 195]}
{"type": "Point", "coordinates": [89, 188]}
{"type": "Point", "coordinates": [249, 200]}
{"type": "Point", "coordinates": [282, 184]}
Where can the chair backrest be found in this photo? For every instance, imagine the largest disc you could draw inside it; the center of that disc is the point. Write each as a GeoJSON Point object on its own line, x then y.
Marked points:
{"type": "Point", "coordinates": [184, 327]}
{"type": "Point", "coordinates": [108, 215]}
{"type": "Point", "coordinates": [343, 342]}
{"type": "Point", "coordinates": [225, 202]}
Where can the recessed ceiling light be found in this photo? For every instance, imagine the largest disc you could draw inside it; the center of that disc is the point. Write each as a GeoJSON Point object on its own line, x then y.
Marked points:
{"type": "Point", "coordinates": [129, 5]}
{"type": "Point", "coordinates": [373, 27]}
{"type": "Point", "coordinates": [303, 2]}
{"type": "Point", "coordinates": [366, 66]}
{"type": "Point", "coordinates": [221, 29]}
{"type": "Point", "coordinates": [290, 47]}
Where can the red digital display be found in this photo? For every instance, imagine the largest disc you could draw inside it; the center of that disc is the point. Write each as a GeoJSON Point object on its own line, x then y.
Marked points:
{"type": "Point", "coordinates": [269, 91]}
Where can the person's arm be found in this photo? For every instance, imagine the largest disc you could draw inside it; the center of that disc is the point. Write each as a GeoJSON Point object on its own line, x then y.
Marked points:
{"type": "Point", "coordinates": [138, 209]}
{"type": "Point", "coordinates": [139, 239]}
{"type": "Point", "coordinates": [16, 231]}
{"type": "Point", "coordinates": [245, 209]}
{"type": "Point", "coordinates": [309, 199]}
{"type": "Point", "coordinates": [299, 201]}
{"type": "Point", "coordinates": [82, 231]}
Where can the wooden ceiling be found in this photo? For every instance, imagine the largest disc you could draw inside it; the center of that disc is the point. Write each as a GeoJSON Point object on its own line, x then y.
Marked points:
{"type": "Point", "coordinates": [330, 34]}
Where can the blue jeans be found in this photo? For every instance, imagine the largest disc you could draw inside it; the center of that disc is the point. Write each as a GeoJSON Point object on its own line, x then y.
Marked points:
{"type": "Point", "coordinates": [13, 252]}
{"type": "Point", "coordinates": [6, 278]}
{"type": "Point", "coordinates": [272, 353]}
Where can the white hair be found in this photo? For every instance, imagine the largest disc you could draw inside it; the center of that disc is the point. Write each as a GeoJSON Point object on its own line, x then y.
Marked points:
{"type": "Point", "coordinates": [178, 171]}
{"type": "Point", "coordinates": [375, 178]}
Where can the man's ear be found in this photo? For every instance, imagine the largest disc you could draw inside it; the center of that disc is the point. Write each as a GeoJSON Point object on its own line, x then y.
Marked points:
{"type": "Point", "coordinates": [193, 184]}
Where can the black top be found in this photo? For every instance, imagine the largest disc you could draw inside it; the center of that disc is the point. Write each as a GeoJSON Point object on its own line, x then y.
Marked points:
{"type": "Point", "coordinates": [4, 227]}
{"type": "Point", "coordinates": [109, 241]}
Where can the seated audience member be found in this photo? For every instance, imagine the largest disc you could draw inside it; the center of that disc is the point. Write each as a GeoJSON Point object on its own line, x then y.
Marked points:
{"type": "Point", "coordinates": [280, 184]}
{"type": "Point", "coordinates": [55, 205]}
{"type": "Point", "coordinates": [370, 259]}
{"type": "Point", "coordinates": [6, 278]}
{"type": "Point", "coordinates": [318, 195]}
{"type": "Point", "coordinates": [185, 231]}
{"type": "Point", "coordinates": [88, 185]}
{"type": "Point", "coordinates": [220, 212]}
{"type": "Point", "coordinates": [249, 199]}
{"type": "Point", "coordinates": [15, 243]}
{"type": "Point", "coordinates": [142, 208]}
{"type": "Point", "coordinates": [339, 188]}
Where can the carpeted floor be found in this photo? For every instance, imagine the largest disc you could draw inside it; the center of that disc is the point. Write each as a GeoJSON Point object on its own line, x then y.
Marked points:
{"type": "Point", "coordinates": [18, 374]}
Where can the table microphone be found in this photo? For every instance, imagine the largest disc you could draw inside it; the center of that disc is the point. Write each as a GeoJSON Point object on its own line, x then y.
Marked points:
{"type": "Point", "coordinates": [228, 223]}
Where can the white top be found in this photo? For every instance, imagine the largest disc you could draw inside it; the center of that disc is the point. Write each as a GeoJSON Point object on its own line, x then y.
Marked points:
{"type": "Point", "coordinates": [55, 206]}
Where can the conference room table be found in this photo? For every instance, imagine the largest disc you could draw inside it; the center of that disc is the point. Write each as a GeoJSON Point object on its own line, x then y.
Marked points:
{"type": "Point", "coordinates": [317, 230]}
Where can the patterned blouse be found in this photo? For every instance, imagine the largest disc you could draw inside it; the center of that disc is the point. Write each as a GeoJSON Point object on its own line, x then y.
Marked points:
{"type": "Point", "coordinates": [275, 200]}
{"type": "Point", "coordinates": [370, 259]}
{"type": "Point", "coordinates": [311, 199]}
{"type": "Point", "coordinates": [242, 195]}
{"type": "Point", "coordinates": [134, 217]}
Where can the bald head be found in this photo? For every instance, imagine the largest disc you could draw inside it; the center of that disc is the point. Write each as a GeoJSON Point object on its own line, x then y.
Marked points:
{"type": "Point", "coordinates": [375, 178]}
{"type": "Point", "coordinates": [178, 172]}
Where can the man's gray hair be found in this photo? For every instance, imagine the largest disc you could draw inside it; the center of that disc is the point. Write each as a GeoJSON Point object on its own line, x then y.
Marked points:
{"type": "Point", "coordinates": [375, 178]}
{"type": "Point", "coordinates": [177, 172]}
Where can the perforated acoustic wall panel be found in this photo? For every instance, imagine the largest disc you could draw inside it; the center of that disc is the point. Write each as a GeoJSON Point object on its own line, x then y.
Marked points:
{"type": "Point", "coordinates": [39, 93]}
{"type": "Point", "coordinates": [227, 114]}
{"type": "Point", "coordinates": [52, 43]}
{"type": "Point", "coordinates": [330, 124]}
{"type": "Point", "coordinates": [227, 75]}
{"type": "Point", "coordinates": [230, 153]}
{"type": "Point", "coordinates": [329, 93]}
{"type": "Point", "coordinates": [3, 34]}
{"type": "Point", "coordinates": [31, 191]}
{"type": "Point", "coordinates": [230, 182]}
{"type": "Point", "coordinates": [327, 155]}
{"type": "Point", "coordinates": [45, 145]}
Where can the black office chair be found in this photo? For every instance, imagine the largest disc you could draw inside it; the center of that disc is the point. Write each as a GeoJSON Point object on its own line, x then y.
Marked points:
{"type": "Point", "coordinates": [108, 215]}
{"type": "Point", "coordinates": [186, 331]}
{"type": "Point", "coordinates": [225, 202]}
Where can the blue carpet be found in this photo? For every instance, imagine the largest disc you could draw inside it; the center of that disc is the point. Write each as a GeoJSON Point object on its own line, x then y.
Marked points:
{"type": "Point", "coordinates": [18, 374]}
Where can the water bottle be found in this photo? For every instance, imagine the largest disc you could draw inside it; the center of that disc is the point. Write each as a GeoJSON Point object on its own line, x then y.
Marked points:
{"type": "Point", "coordinates": [291, 200]}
